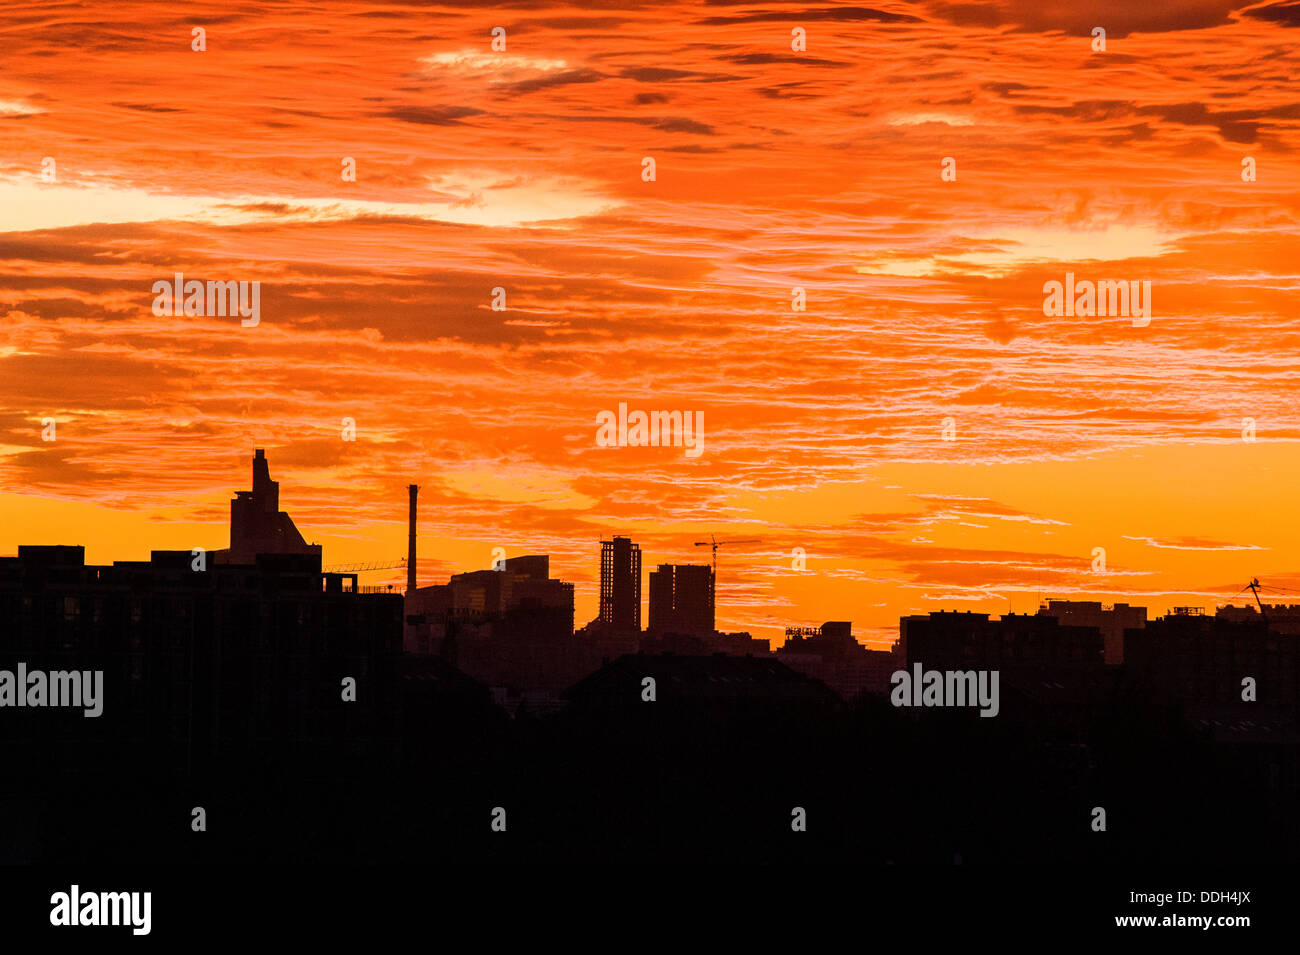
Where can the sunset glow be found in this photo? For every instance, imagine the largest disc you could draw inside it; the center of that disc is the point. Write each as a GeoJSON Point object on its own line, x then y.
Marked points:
{"type": "Point", "coordinates": [775, 170]}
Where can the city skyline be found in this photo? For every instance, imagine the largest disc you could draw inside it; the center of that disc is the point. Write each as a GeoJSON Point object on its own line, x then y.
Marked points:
{"type": "Point", "coordinates": [780, 172]}
{"type": "Point", "coordinates": [680, 598]}
{"type": "Point", "coordinates": [544, 435]}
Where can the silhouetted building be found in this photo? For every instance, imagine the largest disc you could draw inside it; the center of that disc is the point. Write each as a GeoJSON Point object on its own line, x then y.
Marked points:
{"type": "Point", "coordinates": [681, 599]}
{"type": "Point", "coordinates": [1111, 621]}
{"type": "Point", "coordinates": [1282, 618]}
{"type": "Point", "coordinates": [530, 567]}
{"type": "Point", "coordinates": [703, 644]}
{"type": "Point", "coordinates": [832, 655]}
{"type": "Point", "coordinates": [519, 590]}
{"type": "Point", "coordinates": [510, 628]}
{"type": "Point", "coordinates": [1193, 659]}
{"type": "Point", "coordinates": [203, 663]}
{"type": "Point", "coordinates": [257, 525]}
{"type": "Point", "coordinates": [620, 584]}
{"type": "Point", "coordinates": [951, 640]}
{"type": "Point", "coordinates": [479, 593]}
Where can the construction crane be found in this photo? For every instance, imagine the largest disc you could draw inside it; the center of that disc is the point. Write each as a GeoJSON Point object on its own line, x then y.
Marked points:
{"type": "Point", "coordinates": [362, 568]}
{"type": "Point", "coordinates": [715, 544]}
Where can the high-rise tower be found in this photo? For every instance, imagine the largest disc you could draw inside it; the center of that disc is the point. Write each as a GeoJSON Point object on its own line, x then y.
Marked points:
{"type": "Point", "coordinates": [681, 599]}
{"type": "Point", "coordinates": [620, 584]}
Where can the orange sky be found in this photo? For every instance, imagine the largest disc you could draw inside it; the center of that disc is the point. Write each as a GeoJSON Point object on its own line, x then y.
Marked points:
{"type": "Point", "coordinates": [774, 170]}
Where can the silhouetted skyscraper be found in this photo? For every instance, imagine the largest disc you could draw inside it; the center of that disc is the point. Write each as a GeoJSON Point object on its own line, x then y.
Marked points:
{"type": "Point", "coordinates": [681, 599]}
{"type": "Point", "coordinates": [620, 584]}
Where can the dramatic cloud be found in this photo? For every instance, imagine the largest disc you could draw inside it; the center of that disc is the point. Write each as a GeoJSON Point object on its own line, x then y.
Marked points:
{"type": "Point", "coordinates": [460, 248]}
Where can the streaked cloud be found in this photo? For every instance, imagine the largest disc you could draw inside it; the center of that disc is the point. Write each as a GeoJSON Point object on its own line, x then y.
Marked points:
{"type": "Point", "coordinates": [775, 169]}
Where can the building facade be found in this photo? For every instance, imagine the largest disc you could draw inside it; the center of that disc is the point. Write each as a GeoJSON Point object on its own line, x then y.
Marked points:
{"type": "Point", "coordinates": [620, 585]}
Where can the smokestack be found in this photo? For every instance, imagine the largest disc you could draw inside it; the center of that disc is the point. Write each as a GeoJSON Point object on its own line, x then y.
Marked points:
{"type": "Point", "coordinates": [410, 545]}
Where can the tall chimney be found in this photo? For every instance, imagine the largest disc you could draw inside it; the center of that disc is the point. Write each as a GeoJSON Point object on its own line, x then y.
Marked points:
{"type": "Point", "coordinates": [410, 544]}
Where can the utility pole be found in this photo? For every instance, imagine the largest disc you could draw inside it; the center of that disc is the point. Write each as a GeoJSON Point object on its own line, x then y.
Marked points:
{"type": "Point", "coordinates": [1254, 589]}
